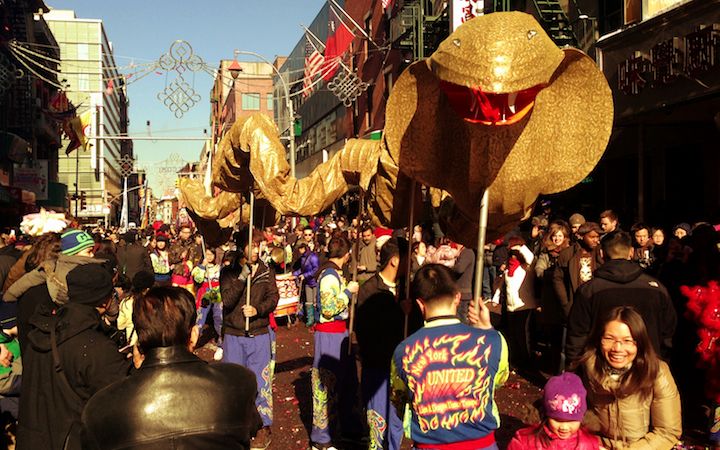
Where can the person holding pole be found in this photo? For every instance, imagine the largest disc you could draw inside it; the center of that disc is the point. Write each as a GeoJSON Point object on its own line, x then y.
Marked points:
{"type": "Point", "coordinates": [333, 374]}
{"type": "Point", "coordinates": [447, 371]}
{"type": "Point", "coordinates": [245, 323]}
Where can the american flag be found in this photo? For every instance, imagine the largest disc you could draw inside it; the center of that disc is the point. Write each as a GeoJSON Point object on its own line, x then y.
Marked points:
{"type": "Point", "coordinates": [313, 62]}
{"type": "Point", "coordinates": [387, 4]}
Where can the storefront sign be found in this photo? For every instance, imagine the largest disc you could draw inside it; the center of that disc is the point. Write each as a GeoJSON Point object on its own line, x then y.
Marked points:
{"type": "Point", "coordinates": [670, 60]}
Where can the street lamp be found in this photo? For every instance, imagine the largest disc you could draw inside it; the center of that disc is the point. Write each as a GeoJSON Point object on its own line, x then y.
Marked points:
{"type": "Point", "coordinates": [288, 102]}
{"type": "Point", "coordinates": [235, 68]}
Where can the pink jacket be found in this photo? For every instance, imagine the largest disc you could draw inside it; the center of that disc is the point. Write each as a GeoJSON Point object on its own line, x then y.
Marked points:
{"type": "Point", "coordinates": [526, 439]}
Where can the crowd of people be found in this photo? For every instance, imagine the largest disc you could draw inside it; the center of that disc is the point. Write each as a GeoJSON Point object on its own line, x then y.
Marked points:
{"type": "Point", "coordinates": [99, 329]}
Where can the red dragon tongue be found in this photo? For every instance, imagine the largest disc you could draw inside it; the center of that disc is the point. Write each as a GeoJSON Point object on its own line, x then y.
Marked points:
{"type": "Point", "coordinates": [488, 107]}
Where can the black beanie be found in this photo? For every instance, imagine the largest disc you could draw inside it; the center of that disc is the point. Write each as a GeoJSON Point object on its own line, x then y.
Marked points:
{"type": "Point", "coordinates": [89, 284]}
{"type": "Point", "coordinates": [143, 280]}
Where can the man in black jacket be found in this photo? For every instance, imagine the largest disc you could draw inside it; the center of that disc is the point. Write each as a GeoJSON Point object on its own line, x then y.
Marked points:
{"type": "Point", "coordinates": [379, 329]}
{"type": "Point", "coordinates": [621, 282]}
{"type": "Point", "coordinates": [133, 257]}
{"type": "Point", "coordinates": [464, 269]}
{"type": "Point", "coordinates": [68, 359]}
{"type": "Point", "coordinates": [174, 400]}
{"type": "Point", "coordinates": [247, 340]}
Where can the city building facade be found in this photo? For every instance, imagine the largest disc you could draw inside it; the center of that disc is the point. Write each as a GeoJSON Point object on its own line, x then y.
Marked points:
{"type": "Point", "coordinates": [661, 59]}
{"type": "Point", "coordinates": [96, 88]}
{"type": "Point", "coordinates": [30, 134]}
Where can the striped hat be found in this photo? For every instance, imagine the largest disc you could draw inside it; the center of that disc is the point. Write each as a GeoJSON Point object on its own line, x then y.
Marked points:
{"type": "Point", "coordinates": [73, 242]}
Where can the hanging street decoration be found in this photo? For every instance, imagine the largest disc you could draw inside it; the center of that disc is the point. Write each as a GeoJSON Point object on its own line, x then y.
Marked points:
{"type": "Point", "coordinates": [126, 166]}
{"type": "Point", "coordinates": [347, 87]}
{"type": "Point", "coordinates": [164, 172]}
{"type": "Point", "coordinates": [179, 96]}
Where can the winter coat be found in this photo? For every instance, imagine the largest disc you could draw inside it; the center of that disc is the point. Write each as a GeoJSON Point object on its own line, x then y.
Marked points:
{"type": "Point", "coordinates": [637, 422]}
{"type": "Point", "coordinates": [367, 256]}
{"type": "Point", "coordinates": [54, 392]}
{"type": "Point", "coordinates": [309, 264]}
{"type": "Point", "coordinates": [566, 277]}
{"type": "Point", "coordinates": [175, 400]}
{"type": "Point", "coordinates": [379, 323]}
{"type": "Point", "coordinates": [552, 311]}
{"type": "Point", "coordinates": [175, 256]}
{"type": "Point", "coordinates": [54, 274]}
{"type": "Point", "coordinates": [27, 304]}
{"type": "Point", "coordinates": [16, 271]}
{"type": "Point", "coordinates": [527, 439]}
{"type": "Point", "coordinates": [264, 297]}
{"type": "Point", "coordinates": [520, 282]}
{"type": "Point", "coordinates": [465, 269]}
{"type": "Point", "coordinates": [46, 285]}
{"type": "Point", "coordinates": [415, 265]}
{"type": "Point", "coordinates": [8, 257]}
{"type": "Point", "coordinates": [620, 282]}
{"type": "Point", "coordinates": [132, 259]}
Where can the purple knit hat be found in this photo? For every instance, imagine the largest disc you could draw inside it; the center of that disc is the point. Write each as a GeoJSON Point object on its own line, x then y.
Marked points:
{"type": "Point", "coordinates": [564, 397]}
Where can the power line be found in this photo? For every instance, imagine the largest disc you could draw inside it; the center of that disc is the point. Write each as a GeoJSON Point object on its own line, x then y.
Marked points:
{"type": "Point", "coordinates": [20, 50]}
{"type": "Point", "coordinates": [21, 61]}
{"type": "Point", "coordinates": [18, 45]}
{"type": "Point", "coordinates": [35, 44]}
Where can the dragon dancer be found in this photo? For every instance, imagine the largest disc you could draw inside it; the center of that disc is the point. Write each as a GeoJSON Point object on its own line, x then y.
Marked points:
{"type": "Point", "coordinates": [447, 371]}
{"type": "Point", "coordinates": [251, 346]}
{"type": "Point", "coordinates": [333, 374]}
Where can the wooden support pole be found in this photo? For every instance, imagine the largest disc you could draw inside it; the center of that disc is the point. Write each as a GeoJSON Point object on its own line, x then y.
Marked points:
{"type": "Point", "coordinates": [249, 258]}
{"type": "Point", "coordinates": [356, 255]}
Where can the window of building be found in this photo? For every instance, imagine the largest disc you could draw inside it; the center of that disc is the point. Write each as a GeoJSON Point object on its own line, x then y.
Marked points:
{"type": "Point", "coordinates": [94, 51]}
{"type": "Point", "coordinates": [269, 102]}
{"type": "Point", "coordinates": [83, 51]}
{"type": "Point", "coordinates": [611, 15]}
{"type": "Point", "coordinates": [368, 113]}
{"type": "Point", "coordinates": [251, 101]}
{"type": "Point", "coordinates": [83, 82]}
{"type": "Point", "coordinates": [93, 31]}
{"type": "Point", "coordinates": [82, 32]}
{"type": "Point", "coordinates": [58, 30]}
{"type": "Point", "coordinates": [368, 30]}
{"type": "Point", "coordinates": [388, 76]}
{"type": "Point", "coordinates": [70, 52]}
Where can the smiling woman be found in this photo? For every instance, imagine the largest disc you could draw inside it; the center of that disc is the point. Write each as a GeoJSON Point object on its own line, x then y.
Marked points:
{"type": "Point", "coordinates": [631, 392]}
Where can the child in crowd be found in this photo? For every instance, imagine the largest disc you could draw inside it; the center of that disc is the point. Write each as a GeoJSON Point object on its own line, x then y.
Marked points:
{"type": "Point", "coordinates": [565, 405]}
{"type": "Point", "coordinates": [207, 299]}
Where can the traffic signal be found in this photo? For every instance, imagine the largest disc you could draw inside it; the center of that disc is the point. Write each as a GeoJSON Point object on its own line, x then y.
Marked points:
{"type": "Point", "coordinates": [83, 200]}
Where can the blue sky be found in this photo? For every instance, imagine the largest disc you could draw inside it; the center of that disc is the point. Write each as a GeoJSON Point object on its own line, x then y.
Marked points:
{"type": "Point", "coordinates": [141, 31]}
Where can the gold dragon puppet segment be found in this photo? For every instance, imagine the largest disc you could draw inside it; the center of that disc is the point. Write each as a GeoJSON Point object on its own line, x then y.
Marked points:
{"type": "Point", "coordinates": [497, 106]}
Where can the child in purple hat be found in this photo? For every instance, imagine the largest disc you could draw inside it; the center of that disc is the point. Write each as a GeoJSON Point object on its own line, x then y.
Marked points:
{"type": "Point", "coordinates": [565, 405]}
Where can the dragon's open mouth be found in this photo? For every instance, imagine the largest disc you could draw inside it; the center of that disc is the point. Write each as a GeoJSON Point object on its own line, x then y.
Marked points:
{"type": "Point", "coordinates": [476, 106]}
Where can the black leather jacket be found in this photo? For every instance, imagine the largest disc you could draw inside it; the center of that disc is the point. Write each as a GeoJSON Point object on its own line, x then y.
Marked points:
{"type": "Point", "coordinates": [174, 401]}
